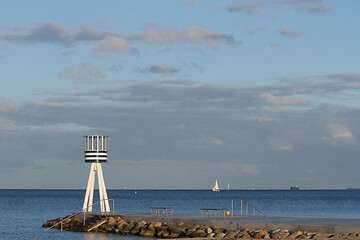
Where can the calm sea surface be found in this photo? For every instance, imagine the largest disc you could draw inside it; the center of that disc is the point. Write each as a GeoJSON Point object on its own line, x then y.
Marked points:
{"type": "Point", "coordinates": [24, 211]}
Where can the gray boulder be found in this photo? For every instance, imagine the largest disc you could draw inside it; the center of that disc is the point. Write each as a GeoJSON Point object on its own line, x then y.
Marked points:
{"type": "Point", "coordinates": [210, 235]}
{"type": "Point", "coordinates": [231, 234]}
{"type": "Point", "coordinates": [295, 234]}
{"type": "Point", "coordinates": [111, 221]}
{"type": "Point", "coordinates": [135, 230]}
{"type": "Point", "coordinates": [198, 233]}
{"type": "Point", "coordinates": [279, 234]}
{"type": "Point", "coordinates": [220, 235]}
{"type": "Point", "coordinates": [166, 234]}
{"type": "Point", "coordinates": [127, 229]}
{"type": "Point", "coordinates": [110, 228]}
{"type": "Point", "coordinates": [175, 229]}
{"type": "Point", "coordinates": [243, 234]}
{"type": "Point", "coordinates": [141, 224]}
{"type": "Point", "coordinates": [258, 234]}
{"type": "Point", "coordinates": [157, 224]}
{"type": "Point", "coordinates": [148, 234]}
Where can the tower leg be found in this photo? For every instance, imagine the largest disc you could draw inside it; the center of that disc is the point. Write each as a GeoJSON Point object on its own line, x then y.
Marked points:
{"type": "Point", "coordinates": [98, 167]}
{"type": "Point", "coordinates": [89, 188]}
{"type": "Point", "coordinates": [104, 194]}
{"type": "Point", "coordinates": [89, 195]}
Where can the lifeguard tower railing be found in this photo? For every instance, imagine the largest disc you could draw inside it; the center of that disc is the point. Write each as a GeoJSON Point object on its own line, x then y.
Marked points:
{"type": "Point", "coordinates": [244, 207]}
{"type": "Point", "coordinates": [83, 212]}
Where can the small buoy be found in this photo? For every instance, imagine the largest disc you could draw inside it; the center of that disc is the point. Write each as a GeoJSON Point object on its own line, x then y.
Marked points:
{"type": "Point", "coordinates": [135, 192]}
{"type": "Point", "coordinates": [227, 212]}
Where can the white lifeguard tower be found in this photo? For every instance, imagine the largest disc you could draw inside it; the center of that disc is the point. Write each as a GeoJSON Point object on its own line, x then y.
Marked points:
{"type": "Point", "coordinates": [96, 148]}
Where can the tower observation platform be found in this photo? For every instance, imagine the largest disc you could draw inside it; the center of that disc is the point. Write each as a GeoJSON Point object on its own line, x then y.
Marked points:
{"type": "Point", "coordinates": [96, 148]}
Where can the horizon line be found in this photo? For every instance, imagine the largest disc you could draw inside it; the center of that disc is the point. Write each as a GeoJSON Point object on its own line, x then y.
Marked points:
{"type": "Point", "coordinates": [187, 189]}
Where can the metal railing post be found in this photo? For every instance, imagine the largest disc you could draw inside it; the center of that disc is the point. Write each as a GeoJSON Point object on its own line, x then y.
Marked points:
{"type": "Point", "coordinates": [241, 208]}
{"type": "Point", "coordinates": [232, 207]}
{"type": "Point", "coordinates": [254, 210]}
{"type": "Point", "coordinates": [77, 213]}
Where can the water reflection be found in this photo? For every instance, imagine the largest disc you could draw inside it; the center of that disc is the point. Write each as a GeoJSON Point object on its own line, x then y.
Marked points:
{"type": "Point", "coordinates": [108, 236]}
{"type": "Point", "coordinates": [95, 236]}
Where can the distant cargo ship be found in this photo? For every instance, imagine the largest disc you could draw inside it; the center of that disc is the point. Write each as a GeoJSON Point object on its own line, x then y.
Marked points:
{"type": "Point", "coordinates": [295, 188]}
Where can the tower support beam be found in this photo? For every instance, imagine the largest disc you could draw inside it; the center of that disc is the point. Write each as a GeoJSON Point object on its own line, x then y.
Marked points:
{"type": "Point", "coordinates": [88, 201]}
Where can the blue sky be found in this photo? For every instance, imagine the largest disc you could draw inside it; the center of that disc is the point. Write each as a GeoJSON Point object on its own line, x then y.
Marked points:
{"type": "Point", "coordinates": [258, 94]}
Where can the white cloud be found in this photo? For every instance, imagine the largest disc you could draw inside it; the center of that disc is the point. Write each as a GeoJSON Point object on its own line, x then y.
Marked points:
{"type": "Point", "coordinates": [163, 122]}
{"type": "Point", "coordinates": [158, 68]}
{"type": "Point", "coordinates": [113, 44]}
{"type": "Point", "coordinates": [275, 44]}
{"type": "Point", "coordinates": [7, 105]}
{"type": "Point", "coordinates": [345, 77]}
{"type": "Point", "coordinates": [289, 32]}
{"type": "Point", "coordinates": [271, 99]}
{"type": "Point", "coordinates": [247, 7]}
{"type": "Point", "coordinates": [87, 73]}
{"type": "Point", "coordinates": [194, 34]}
{"type": "Point", "coordinates": [280, 145]}
{"type": "Point", "coordinates": [313, 6]}
{"type": "Point", "coordinates": [178, 82]}
{"type": "Point", "coordinates": [255, 30]}
{"type": "Point", "coordinates": [338, 132]}
{"type": "Point", "coordinates": [265, 119]}
{"type": "Point", "coordinates": [258, 7]}
{"type": "Point", "coordinates": [43, 31]}
{"type": "Point", "coordinates": [107, 41]}
{"type": "Point", "coordinates": [6, 125]}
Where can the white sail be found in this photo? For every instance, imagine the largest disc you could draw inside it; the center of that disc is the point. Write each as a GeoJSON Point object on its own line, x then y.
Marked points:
{"type": "Point", "coordinates": [216, 187]}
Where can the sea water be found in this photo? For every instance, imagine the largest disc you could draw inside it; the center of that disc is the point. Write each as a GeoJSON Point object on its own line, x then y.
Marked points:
{"type": "Point", "coordinates": [24, 211]}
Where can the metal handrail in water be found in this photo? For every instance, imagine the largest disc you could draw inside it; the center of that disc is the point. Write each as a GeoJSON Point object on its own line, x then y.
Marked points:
{"type": "Point", "coordinates": [216, 211]}
{"type": "Point", "coordinates": [241, 207]}
{"type": "Point", "coordinates": [82, 211]}
{"type": "Point", "coordinates": [162, 210]}
{"type": "Point", "coordinates": [62, 221]}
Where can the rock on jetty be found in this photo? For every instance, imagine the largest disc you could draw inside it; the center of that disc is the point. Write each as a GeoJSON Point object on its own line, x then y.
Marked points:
{"type": "Point", "coordinates": [116, 225]}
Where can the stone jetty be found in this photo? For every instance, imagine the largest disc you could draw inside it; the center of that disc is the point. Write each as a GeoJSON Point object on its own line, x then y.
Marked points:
{"type": "Point", "coordinates": [157, 229]}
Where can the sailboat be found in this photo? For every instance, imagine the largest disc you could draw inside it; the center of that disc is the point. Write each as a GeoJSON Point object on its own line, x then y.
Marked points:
{"type": "Point", "coordinates": [216, 187]}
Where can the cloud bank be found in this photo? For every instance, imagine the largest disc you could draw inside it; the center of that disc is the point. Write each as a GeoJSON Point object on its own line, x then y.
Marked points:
{"type": "Point", "coordinates": [158, 68]}
{"type": "Point", "coordinates": [261, 7]}
{"type": "Point", "coordinates": [86, 74]}
{"type": "Point", "coordinates": [112, 41]}
{"type": "Point", "coordinates": [289, 32]}
{"type": "Point", "coordinates": [179, 121]}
